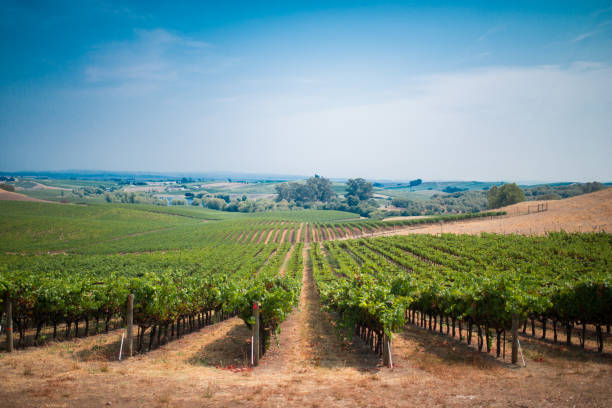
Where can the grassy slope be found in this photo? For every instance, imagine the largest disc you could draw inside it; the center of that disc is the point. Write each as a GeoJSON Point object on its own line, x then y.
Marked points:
{"type": "Point", "coordinates": [30, 226]}
{"type": "Point", "coordinates": [107, 228]}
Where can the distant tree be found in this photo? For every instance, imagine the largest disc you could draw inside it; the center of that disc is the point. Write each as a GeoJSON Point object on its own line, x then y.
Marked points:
{"type": "Point", "coordinates": [321, 188]}
{"type": "Point", "coordinates": [224, 197]}
{"type": "Point", "coordinates": [215, 203]}
{"type": "Point", "coordinates": [505, 195]}
{"type": "Point", "coordinates": [7, 187]}
{"type": "Point", "coordinates": [592, 187]}
{"type": "Point", "coordinates": [453, 189]}
{"type": "Point", "coordinates": [359, 189]}
{"type": "Point", "coordinates": [315, 189]}
{"type": "Point", "coordinates": [414, 183]}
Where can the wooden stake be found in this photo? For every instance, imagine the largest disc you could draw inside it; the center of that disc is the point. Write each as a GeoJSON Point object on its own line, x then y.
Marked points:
{"type": "Point", "coordinates": [130, 325]}
{"type": "Point", "coordinates": [256, 346]}
{"type": "Point", "coordinates": [9, 324]}
{"type": "Point", "coordinates": [386, 351]}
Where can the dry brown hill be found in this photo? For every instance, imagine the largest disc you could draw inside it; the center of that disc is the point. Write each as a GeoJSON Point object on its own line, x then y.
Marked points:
{"type": "Point", "coordinates": [585, 213]}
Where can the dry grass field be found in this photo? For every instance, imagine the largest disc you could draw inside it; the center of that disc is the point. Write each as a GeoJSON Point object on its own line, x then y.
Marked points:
{"type": "Point", "coordinates": [585, 213]}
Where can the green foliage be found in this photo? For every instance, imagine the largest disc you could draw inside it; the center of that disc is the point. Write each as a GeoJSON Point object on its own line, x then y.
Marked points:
{"type": "Point", "coordinates": [7, 187]}
{"type": "Point", "coordinates": [505, 195]}
{"type": "Point", "coordinates": [484, 280]}
{"type": "Point", "coordinates": [219, 276]}
{"type": "Point", "coordinates": [214, 203]}
{"type": "Point", "coordinates": [556, 192]}
{"type": "Point", "coordinates": [358, 190]}
{"type": "Point", "coordinates": [315, 189]}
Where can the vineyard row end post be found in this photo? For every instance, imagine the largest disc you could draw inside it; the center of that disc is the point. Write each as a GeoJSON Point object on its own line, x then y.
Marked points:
{"type": "Point", "coordinates": [256, 340]}
{"type": "Point", "coordinates": [9, 324]}
{"type": "Point", "coordinates": [387, 351]}
{"type": "Point", "coordinates": [130, 324]}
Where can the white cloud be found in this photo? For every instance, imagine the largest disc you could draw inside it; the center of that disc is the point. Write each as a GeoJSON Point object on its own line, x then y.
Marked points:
{"type": "Point", "coordinates": [584, 36]}
{"type": "Point", "coordinates": [491, 31]}
{"type": "Point", "coordinates": [153, 56]}
{"type": "Point", "coordinates": [547, 122]}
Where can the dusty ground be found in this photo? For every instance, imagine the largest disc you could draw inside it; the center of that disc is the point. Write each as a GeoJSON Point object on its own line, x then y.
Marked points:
{"type": "Point", "coordinates": [311, 366]}
{"type": "Point", "coordinates": [405, 217]}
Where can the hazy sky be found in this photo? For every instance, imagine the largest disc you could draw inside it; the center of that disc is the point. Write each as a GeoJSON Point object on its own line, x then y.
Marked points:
{"type": "Point", "coordinates": [451, 90]}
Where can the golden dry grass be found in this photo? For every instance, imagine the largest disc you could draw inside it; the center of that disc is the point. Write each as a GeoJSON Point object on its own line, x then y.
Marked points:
{"type": "Point", "coordinates": [585, 213]}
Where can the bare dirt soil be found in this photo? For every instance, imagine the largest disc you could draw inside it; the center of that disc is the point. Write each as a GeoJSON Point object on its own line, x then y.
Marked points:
{"type": "Point", "coordinates": [405, 217]}
{"type": "Point", "coordinates": [309, 364]}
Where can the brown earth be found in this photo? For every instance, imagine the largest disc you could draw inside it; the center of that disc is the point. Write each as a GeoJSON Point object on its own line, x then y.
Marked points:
{"type": "Point", "coordinates": [282, 238]}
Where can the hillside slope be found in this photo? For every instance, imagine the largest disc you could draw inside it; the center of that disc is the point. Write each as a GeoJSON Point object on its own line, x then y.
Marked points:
{"type": "Point", "coordinates": [11, 196]}
{"type": "Point", "coordinates": [585, 213]}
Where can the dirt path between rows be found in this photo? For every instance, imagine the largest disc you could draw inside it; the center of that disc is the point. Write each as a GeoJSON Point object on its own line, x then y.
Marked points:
{"type": "Point", "coordinates": [283, 268]}
{"type": "Point", "coordinates": [299, 233]}
{"type": "Point", "coordinates": [309, 338]}
{"type": "Point", "coordinates": [282, 238]}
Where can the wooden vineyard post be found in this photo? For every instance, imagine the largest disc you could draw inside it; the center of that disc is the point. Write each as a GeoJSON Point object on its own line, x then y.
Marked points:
{"type": "Point", "coordinates": [515, 325]}
{"type": "Point", "coordinates": [9, 324]}
{"type": "Point", "coordinates": [256, 340]}
{"type": "Point", "coordinates": [387, 361]}
{"type": "Point", "coordinates": [130, 325]}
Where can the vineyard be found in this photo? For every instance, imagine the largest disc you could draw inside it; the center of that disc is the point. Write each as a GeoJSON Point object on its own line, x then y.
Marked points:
{"type": "Point", "coordinates": [452, 282]}
{"type": "Point", "coordinates": [173, 292]}
{"type": "Point", "coordinates": [191, 268]}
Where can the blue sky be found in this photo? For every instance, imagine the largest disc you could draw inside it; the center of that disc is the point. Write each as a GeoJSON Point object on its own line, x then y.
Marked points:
{"type": "Point", "coordinates": [438, 90]}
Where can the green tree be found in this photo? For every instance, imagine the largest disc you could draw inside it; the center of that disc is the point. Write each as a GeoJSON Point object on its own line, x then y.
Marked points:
{"type": "Point", "coordinates": [359, 190]}
{"type": "Point", "coordinates": [315, 189]}
{"type": "Point", "coordinates": [505, 195]}
{"type": "Point", "coordinates": [7, 187]}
